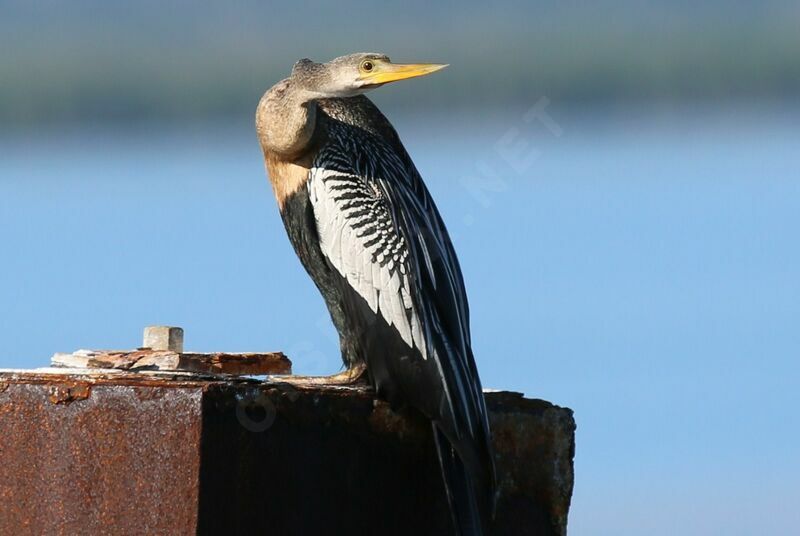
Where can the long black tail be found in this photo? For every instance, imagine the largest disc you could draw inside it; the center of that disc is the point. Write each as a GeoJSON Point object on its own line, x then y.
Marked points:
{"type": "Point", "coordinates": [466, 508]}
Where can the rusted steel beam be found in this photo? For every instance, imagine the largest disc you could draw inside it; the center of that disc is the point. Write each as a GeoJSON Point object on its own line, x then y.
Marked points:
{"type": "Point", "coordinates": [162, 349]}
{"type": "Point", "coordinates": [253, 364]}
{"type": "Point", "coordinates": [128, 453]}
{"type": "Point", "coordinates": [91, 458]}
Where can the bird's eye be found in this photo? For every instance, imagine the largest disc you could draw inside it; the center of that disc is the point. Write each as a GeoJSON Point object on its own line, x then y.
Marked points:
{"type": "Point", "coordinates": [367, 66]}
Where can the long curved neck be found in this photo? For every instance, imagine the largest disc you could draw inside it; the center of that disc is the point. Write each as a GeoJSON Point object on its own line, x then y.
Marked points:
{"type": "Point", "coordinates": [285, 120]}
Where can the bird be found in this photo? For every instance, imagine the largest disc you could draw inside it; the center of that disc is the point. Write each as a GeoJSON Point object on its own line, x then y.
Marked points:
{"type": "Point", "coordinates": [369, 234]}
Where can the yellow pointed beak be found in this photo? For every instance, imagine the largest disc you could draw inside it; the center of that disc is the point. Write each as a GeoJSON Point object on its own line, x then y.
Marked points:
{"type": "Point", "coordinates": [384, 72]}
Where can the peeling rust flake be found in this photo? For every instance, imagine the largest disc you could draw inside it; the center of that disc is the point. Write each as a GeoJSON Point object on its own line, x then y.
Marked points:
{"type": "Point", "coordinates": [67, 394]}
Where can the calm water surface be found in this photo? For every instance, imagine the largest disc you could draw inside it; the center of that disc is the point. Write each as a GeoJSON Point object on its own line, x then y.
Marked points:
{"type": "Point", "coordinates": [642, 271]}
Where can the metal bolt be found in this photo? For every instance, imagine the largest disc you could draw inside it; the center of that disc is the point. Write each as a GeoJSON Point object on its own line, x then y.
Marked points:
{"type": "Point", "coordinates": [163, 338]}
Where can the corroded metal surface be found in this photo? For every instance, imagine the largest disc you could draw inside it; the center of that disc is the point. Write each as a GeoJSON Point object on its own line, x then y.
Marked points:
{"type": "Point", "coordinates": [79, 458]}
{"type": "Point", "coordinates": [255, 364]}
{"type": "Point", "coordinates": [534, 449]}
{"type": "Point", "coordinates": [126, 453]}
{"type": "Point", "coordinates": [162, 349]}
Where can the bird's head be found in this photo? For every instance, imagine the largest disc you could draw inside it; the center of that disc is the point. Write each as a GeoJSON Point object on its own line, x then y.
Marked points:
{"type": "Point", "coordinates": [351, 75]}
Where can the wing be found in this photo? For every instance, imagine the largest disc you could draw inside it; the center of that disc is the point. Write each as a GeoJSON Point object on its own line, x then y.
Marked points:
{"type": "Point", "coordinates": [380, 229]}
{"type": "Point", "coordinates": [357, 237]}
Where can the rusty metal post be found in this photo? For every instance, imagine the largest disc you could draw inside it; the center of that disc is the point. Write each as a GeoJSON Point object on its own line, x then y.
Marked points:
{"type": "Point", "coordinates": [134, 453]}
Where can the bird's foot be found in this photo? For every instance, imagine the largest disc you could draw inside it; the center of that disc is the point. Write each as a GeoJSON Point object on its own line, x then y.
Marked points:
{"type": "Point", "coordinates": [355, 376]}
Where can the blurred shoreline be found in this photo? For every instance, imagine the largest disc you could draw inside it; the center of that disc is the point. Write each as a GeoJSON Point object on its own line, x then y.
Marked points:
{"type": "Point", "coordinates": [477, 121]}
{"type": "Point", "coordinates": [107, 61]}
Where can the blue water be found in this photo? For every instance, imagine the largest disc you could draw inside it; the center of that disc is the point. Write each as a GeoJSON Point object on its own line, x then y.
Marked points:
{"type": "Point", "coordinates": [642, 270]}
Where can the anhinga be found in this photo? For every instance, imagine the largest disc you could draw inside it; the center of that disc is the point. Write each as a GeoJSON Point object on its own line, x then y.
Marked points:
{"type": "Point", "coordinates": [367, 231]}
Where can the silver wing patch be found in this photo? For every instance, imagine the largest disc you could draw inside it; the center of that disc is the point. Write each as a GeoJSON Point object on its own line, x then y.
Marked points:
{"type": "Point", "coordinates": [359, 239]}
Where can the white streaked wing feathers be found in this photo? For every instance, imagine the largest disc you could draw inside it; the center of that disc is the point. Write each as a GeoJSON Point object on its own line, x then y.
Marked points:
{"type": "Point", "coordinates": [349, 239]}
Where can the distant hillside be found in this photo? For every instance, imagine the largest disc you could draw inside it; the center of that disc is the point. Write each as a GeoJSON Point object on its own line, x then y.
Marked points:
{"type": "Point", "coordinates": [89, 59]}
